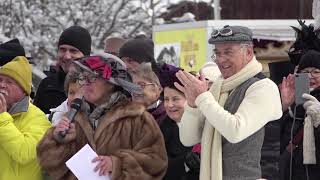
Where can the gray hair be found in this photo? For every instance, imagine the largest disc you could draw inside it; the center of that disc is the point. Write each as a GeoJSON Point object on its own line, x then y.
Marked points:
{"type": "Point", "coordinates": [246, 43]}
{"type": "Point", "coordinates": [145, 71]}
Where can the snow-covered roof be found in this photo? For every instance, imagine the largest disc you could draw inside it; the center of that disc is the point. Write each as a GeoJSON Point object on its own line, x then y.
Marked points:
{"type": "Point", "coordinates": [268, 29]}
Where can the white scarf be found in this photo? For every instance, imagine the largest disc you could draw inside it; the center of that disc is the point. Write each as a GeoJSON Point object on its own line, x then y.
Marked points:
{"type": "Point", "coordinates": [211, 151]}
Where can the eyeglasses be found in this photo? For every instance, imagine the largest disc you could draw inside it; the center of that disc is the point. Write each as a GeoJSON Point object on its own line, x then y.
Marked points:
{"type": "Point", "coordinates": [225, 31]}
{"type": "Point", "coordinates": [144, 85]}
{"type": "Point", "coordinates": [82, 80]}
{"type": "Point", "coordinates": [314, 73]}
{"type": "Point", "coordinates": [227, 53]}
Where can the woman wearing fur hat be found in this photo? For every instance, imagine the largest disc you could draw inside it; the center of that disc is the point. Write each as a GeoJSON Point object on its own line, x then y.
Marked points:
{"type": "Point", "coordinates": [125, 136]}
{"type": "Point", "coordinates": [183, 162]}
{"type": "Point", "coordinates": [300, 133]}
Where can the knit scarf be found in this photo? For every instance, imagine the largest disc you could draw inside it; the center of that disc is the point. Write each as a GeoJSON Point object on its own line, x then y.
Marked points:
{"type": "Point", "coordinates": [99, 111]}
{"type": "Point", "coordinates": [211, 151]}
{"type": "Point", "coordinates": [311, 121]}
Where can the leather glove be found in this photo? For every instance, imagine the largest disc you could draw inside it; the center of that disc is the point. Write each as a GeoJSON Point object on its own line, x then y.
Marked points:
{"type": "Point", "coordinates": [192, 160]}
{"type": "Point", "coordinates": [312, 107]}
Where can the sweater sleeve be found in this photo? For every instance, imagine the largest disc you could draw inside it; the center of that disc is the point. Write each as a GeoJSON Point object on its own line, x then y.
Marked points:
{"type": "Point", "coordinates": [20, 141]}
{"type": "Point", "coordinates": [147, 159]}
{"type": "Point", "coordinates": [260, 105]}
{"type": "Point", "coordinates": [191, 126]}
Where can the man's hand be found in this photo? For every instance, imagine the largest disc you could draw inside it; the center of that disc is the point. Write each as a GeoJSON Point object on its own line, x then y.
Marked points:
{"type": "Point", "coordinates": [192, 86]}
{"type": "Point", "coordinates": [104, 165]}
{"type": "Point", "coordinates": [3, 103]}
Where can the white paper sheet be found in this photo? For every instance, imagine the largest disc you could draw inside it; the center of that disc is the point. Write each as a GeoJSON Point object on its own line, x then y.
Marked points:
{"type": "Point", "coordinates": [81, 166]}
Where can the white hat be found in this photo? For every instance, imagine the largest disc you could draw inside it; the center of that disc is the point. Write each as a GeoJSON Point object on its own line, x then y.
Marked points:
{"type": "Point", "coordinates": [210, 71]}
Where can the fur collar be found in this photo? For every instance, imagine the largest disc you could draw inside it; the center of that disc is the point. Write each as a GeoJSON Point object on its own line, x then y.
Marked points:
{"type": "Point", "coordinates": [120, 111]}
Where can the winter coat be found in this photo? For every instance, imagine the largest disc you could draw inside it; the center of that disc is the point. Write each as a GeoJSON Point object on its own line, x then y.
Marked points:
{"type": "Point", "coordinates": [176, 152]}
{"type": "Point", "coordinates": [50, 93]}
{"type": "Point", "coordinates": [298, 169]}
{"type": "Point", "coordinates": [20, 131]}
{"type": "Point", "coordinates": [158, 113]}
{"type": "Point", "coordinates": [126, 132]}
{"type": "Point", "coordinates": [270, 152]}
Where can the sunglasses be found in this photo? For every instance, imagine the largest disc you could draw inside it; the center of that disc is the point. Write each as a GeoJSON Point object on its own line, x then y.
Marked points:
{"type": "Point", "coordinates": [226, 31]}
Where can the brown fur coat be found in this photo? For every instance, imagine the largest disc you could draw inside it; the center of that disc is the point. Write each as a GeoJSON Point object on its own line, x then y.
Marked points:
{"type": "Point", "coordinates": [127, 133]}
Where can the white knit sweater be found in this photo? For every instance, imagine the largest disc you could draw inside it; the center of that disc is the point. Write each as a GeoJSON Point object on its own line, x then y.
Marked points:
{"type": "Point", "coordinates": [260, 105]}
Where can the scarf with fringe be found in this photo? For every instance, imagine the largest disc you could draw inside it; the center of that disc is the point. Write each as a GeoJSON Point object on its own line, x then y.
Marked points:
{"type": "Point", "coordinates": [211, 151]}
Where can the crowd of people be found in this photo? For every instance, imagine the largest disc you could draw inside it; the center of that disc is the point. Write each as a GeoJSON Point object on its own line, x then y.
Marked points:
{"type": "Point", "coordinates": [154, 121]}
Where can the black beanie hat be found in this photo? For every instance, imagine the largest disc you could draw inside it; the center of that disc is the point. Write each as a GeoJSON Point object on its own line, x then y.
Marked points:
{"type": "Point", "coordinates": [9, 50]}
{"type": "Point", "coordinates": [140, 50]}
{"type": "Point", "coordinates": [310, 59]}
{"type": "Point", "coordinates": [77, 37]}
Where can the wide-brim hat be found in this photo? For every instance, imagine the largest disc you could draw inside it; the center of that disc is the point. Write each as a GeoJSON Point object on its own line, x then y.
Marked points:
{"type": "Point", "coordinates": [110, 68]}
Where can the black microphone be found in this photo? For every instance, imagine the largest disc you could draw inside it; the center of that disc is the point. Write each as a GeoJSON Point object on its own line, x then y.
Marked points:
{"type": "Point", "coordinates": [74, 108]}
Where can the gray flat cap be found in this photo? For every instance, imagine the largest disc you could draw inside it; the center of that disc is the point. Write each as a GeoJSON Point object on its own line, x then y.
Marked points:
{"type": "Point", "coordinates": [230, 34]}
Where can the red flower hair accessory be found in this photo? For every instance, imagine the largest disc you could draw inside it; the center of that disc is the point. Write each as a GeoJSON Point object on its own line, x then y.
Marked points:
{"type": "Point", "coordinates": [95, 63]}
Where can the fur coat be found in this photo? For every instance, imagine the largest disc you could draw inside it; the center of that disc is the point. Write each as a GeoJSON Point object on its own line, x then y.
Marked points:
{"type": "Point", "coordinates": [127, 133]}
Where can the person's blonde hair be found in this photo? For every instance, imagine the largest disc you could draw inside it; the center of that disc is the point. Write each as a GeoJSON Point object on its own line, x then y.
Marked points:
{"type": "Point", "coordinates": [71, 78]}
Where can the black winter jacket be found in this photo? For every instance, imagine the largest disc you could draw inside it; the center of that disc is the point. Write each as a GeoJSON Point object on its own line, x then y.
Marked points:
{"type": "Point", "coordinates": [50, 93]}
{"type": "Point", "coordinates": [177, 153]}
{"type": "Point", "coordinates": [299, 171]}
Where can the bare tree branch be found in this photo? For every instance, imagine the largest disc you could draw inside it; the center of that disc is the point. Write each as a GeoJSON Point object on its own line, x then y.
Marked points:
{"type": "Point", "coordinates": [107, 32]}
{"type": "Point", "coordinates": [38, 23]}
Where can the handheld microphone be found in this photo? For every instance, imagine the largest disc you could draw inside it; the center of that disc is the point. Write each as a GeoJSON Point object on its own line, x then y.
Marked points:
{"type": "Point", "coordinates": [74, 108]}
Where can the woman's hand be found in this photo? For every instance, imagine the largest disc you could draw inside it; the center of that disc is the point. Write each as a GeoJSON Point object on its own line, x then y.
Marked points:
{"type": "Point", "coordinates": [62, 126]}
{"type": "Point", "coordinates": [104, 165]}
{"type": "Point", "coordinates": [287, 91]}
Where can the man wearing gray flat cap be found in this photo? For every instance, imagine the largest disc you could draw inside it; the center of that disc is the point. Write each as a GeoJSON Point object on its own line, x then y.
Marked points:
{"type": "Point", "coordinates": [228, 119]}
